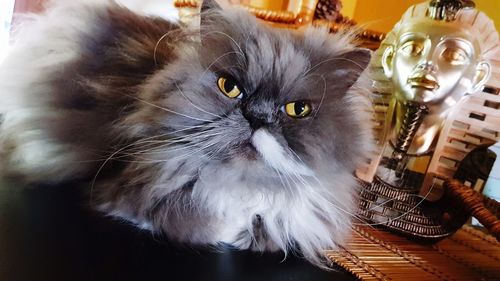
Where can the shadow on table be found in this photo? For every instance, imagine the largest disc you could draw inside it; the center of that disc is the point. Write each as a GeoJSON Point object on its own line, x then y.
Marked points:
{"type": "Point", "coordinates": [49, 234]}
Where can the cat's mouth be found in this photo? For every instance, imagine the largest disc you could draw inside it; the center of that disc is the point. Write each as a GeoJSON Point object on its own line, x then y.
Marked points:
{"type": "Point", "coordinates": [275, 155]}
{"type": "Point", "coordinates": [248, 150]}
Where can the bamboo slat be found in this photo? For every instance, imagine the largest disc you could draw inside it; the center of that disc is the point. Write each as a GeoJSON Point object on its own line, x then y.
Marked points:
{"type": "Point", "coordinates": [374, 254]}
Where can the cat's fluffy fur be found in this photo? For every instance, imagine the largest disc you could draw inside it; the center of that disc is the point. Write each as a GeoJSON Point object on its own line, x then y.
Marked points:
{"type": "Point", "coordinates": [131, 104]}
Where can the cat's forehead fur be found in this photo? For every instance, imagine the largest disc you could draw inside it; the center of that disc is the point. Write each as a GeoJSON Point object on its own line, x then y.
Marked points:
{"type": "Point", "coordinates": [234, 42]}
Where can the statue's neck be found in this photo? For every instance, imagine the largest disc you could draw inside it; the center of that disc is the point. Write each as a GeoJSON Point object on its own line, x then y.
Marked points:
{"type": "Point", "coordinates": [429, 126]}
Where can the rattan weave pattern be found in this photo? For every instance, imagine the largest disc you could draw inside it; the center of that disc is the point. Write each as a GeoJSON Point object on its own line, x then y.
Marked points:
{"type": "Point", "coordinates": [374, 254]}
{"type": "Point", "coordinates": [405, 211]}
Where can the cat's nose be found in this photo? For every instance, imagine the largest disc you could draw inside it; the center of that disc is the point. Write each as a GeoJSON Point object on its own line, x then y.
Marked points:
{"type": "Point", "coordinates": [255, 121]}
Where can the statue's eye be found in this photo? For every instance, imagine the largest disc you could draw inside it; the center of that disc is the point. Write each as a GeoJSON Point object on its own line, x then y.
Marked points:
{"type": "Point", "coordinates": [455, 56]}
{"type": "Point", "coordinates": [229, 87]}
{"type": "Point", "coordinates": [412, 48]}
{"type": "Point", "coordinates": [297, 109]}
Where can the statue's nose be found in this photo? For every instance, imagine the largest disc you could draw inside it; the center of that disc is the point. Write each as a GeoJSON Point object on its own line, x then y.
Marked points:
{"type": "Point", "coordinates": [427, 66]}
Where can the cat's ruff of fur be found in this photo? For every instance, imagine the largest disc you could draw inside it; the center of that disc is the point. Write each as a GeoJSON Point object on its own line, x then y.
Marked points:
{"type": "Point", "coordinates": [92, 91]}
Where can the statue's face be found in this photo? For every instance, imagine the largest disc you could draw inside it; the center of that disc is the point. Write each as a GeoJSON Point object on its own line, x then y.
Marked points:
{"type": "Point", "coordinates": [432, 60]}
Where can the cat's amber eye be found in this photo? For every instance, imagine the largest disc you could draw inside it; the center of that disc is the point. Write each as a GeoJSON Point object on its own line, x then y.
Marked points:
{"type": "Point", "coordinates": [229, 87]}
{"type": "Point", "coordinates": [297, 109]}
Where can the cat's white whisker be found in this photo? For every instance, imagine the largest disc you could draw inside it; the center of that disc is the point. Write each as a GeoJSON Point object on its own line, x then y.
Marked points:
{"type": "Point", "coordinates": [194, 105]}
{"type": "Point", "coordinates": [102, 166]}
{"type": "Point", "coordinates": [331, 203]}
{"type": "Point", "coordinates": [201, 149]}
{"type": "Point", "coordinates": [108, 159]}
{"type": "Point", "coordinates": [365, 223]}
{"type": "Point", "coordinates": [162, 145]}
{"type": "Point", "coordinates": [178, 139]}
{"type": "Point", "coordinates": [136, 144]}
{"type": "Point", "coordinates": [171, 111]}
{"type": "Point", "coordinates": [205, 145]}
{"type": "Point", "coordinates": [158, 44]}
{"type": "Point", "coordinates": [161, 148]}
{"type": "Point", "coordinates": [423, 199]}
{"type": "Point", "coordinates": [213, 63]}
{"type": "Point", "coordinates": [361, 68]}
{"type": "Point", "coordinates": [322, 96]}
{"type": "Point", "coordinates": [232, 39]}
{"type": "Point", "coordinates": [288, 186]}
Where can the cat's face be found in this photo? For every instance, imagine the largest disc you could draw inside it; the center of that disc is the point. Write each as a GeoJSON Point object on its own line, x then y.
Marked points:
{"type": "Point", "coordinates": [278, 97]}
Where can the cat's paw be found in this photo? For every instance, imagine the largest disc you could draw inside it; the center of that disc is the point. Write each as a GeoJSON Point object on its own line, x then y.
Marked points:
{"type": "Point", "coordinates": [257, 239]}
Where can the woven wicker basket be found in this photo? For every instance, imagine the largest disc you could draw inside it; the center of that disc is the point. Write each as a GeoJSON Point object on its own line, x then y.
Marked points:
{"type": "Point", "coordinates": [468, 254]}
{"type": "Point", "coordinates": [402, 211]}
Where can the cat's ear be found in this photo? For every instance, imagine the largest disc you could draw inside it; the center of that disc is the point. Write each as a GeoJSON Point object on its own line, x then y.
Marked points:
{"type": "Point", "coordinates": [208, 5]}
{"type": "Point", "coordinates": [350, 65]}
{"type": "Point", "coordinates": [209, 13]}
{"type": "Point", "coordinates": [360, 56]}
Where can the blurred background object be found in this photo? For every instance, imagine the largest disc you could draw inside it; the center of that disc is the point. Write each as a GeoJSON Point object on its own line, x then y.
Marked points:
{"type": "Point", "coordinates": [381, 15]}
{"type": "Point", "coordinates": [5, 23]}
{"type": "Point", "coordinates": [492, 187]}
{"type": "Point", "coordinates": [378, 15]}
{"type": "Point", "coordinates": [162, 8]}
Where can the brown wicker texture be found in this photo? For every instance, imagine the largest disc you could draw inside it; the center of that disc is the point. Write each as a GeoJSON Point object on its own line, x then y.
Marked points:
{"type": "Point", "coordinates": [404, 211]}
{"type": "Point", "coordinates": [328, 10]}
{"type": "Point", "coordinates": [474, 203]}
{"type": "Point", "coordinates": [492, 205]}
{"type": "Point", "coordinates": [304, 14]}
{"type": "Point", "coordinates": [372, 254]}
{"type": "Point", "coordinates": [293, 19]}
{"type": "Point", "coordinates": [366, 38]}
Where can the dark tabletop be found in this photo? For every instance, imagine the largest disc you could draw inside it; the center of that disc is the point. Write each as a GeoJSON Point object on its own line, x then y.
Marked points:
{"type": "Point", "coordinates": [47, 233]}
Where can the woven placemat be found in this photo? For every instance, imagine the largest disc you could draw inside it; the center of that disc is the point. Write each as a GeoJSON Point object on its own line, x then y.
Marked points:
{"type": "Point", "coordinates": [374, 254]}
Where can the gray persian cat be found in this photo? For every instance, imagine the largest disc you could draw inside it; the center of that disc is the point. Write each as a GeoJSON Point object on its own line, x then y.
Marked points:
{"type": "Point", "coordinates": [231, 133]}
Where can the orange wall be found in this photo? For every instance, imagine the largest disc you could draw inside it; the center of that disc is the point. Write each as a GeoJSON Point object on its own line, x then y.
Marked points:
{"type": "Point", "coordinates": [492, 9]}
{"type": "Point", "coordinates": [381, 15]}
